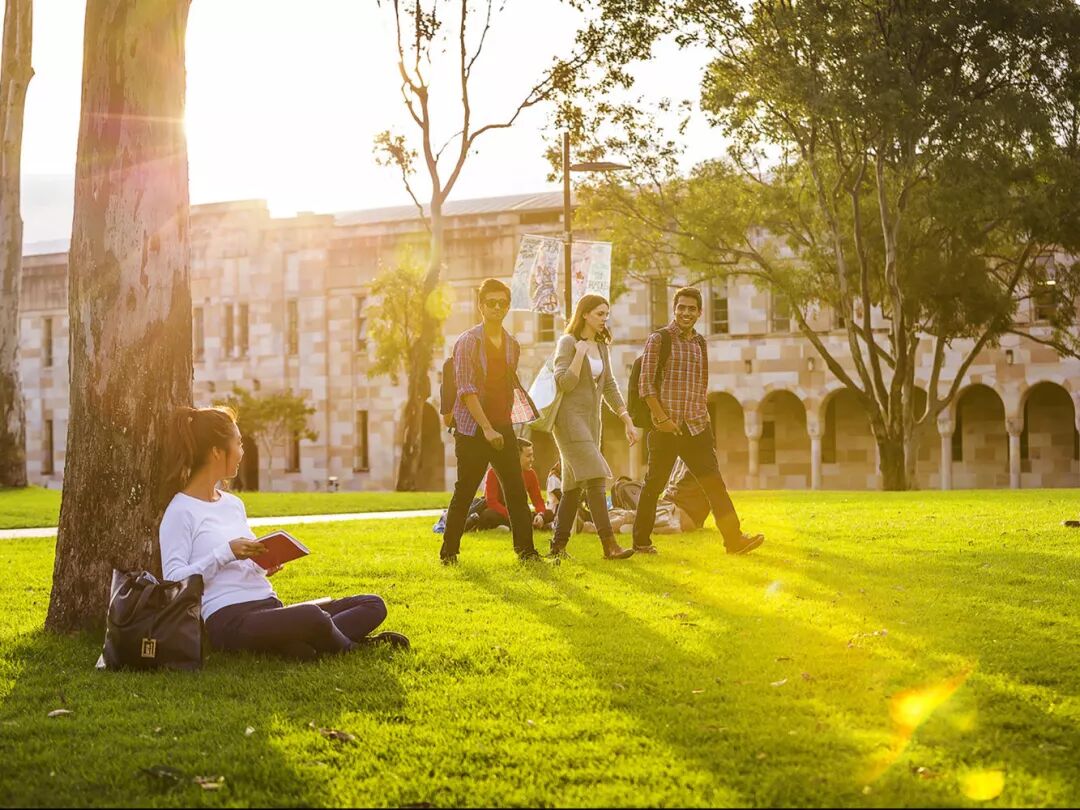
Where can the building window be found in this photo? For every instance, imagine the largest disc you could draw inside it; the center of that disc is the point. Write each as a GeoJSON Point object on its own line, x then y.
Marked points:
{"type": "Point", "coordinates": [838, 319]}
{"type": "Point", "coordinates": [229, 331]}
{"type": "Point", "coordinates": [659, 316]}
{"type": "Point", "coordinates": [545, 328]}
{"type": "Point", "coordinates": [292, 327]}
{"type": "Point", "coordinates": [197, 334]}
{"type": "Point", "coordinates": [47, 343]}
{"type": "Point", "coordinates": [767, 450]}
{"type": "Point", "coordinates": [1043, 303]}
{"type": "Point", "coordinates": [718, 293]}
{"type": "Point", "coordinates": [361, 461]}
{"type": "Point", "coordinates": [828, 437]}
{"type": "Point", "coordinates": [958, 436]}
{"type": "Point", "coordinates": [47, 467]}
{"type": "Point", "coordinates": [360, 320]}
{"type": "Point", "coordinates": [243, 329]}
{"type": "Point", "coordinates": [292, 463]}
{"type": "Point", "coordinates": [780, 316]}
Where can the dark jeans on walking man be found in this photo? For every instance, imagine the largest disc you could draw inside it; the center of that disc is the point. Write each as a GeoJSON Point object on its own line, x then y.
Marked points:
{"type": "Point", "coordinates": [699, 455]}
{"type": "Point", "coordinates": [474, 454]}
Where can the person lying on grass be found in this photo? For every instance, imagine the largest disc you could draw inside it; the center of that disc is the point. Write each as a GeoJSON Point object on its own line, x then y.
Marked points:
{"type": "Point", "coordinates": [205, 531]}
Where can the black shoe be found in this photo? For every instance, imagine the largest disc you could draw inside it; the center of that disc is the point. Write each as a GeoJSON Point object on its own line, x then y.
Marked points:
{"type": "Point", "coordinates": [389, 638]}
{"type": "Point", "coordinates": [558, 552]}
{"type": "Point", "coordinates": [745, 544]}
{"type": "Point", "coordinates": [530, 557]}
{"type": "Point", "coordinates": [649, 549]}
{"type": "Point", "coordinates": [1072, 524]}
{"type": "Point", "coordinates": [449, 560]}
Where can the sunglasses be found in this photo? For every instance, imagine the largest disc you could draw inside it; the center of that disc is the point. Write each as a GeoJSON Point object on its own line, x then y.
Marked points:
{"type": "Point", "coordinates": [497, 303]}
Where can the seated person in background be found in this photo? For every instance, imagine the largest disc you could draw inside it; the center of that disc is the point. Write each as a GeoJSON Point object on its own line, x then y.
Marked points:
{"type": "Point", "coordinates": [554, 486]}
{"type": "Point", "coordinates": [690, 499]}
{"type": "Point", "coordinates": [494, 513]}
{"type": "Point", "coordinates": [205, 531]}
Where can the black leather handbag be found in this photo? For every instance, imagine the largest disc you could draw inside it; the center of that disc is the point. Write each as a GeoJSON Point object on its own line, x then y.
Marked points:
{"type": "Point", "coordinates": [153, 624]}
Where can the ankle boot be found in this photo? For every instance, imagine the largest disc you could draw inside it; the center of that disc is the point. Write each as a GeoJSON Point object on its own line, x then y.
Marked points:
{"type": "Point", "coordinates": [613, 551]}
{"type": "Point", "coordinates": [558, 550]}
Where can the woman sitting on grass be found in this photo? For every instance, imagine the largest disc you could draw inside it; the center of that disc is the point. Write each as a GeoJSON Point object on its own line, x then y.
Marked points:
{"type": "Point", "coordinates": [205, 531]}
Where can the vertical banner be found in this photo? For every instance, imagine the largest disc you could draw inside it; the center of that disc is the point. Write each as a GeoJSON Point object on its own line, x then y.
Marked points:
{"type": "Point", "coordinates": [538, 281]}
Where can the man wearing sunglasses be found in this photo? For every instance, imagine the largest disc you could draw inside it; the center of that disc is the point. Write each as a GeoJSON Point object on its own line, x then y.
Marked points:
{"type": "Point", "coordinates": [489, 401]}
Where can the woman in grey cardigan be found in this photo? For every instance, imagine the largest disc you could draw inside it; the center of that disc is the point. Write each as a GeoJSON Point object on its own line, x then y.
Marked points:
{"type": "Point", "coordinates": [583, 374]}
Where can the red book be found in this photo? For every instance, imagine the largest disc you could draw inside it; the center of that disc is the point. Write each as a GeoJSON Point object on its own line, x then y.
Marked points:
{"type": "Point", "coordinates": [281, 547]}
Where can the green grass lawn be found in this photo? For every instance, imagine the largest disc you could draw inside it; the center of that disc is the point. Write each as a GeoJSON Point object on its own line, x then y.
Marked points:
{"type": "Point", "coordinates": [880, 649]}
{"type": "Point", "coordinates": [35, 507]}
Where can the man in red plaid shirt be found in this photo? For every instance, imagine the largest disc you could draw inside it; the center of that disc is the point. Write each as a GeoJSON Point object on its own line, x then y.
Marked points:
{"type": "Point", "coordinates": [676, 395]}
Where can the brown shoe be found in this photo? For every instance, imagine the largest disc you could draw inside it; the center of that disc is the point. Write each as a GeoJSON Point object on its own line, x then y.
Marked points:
{"type": "Point", "coordinates": [745, 544]}
{"type": "Point", "coordinates": [649, 549]}
{"type": "Point", "coordinates": [613, 551]}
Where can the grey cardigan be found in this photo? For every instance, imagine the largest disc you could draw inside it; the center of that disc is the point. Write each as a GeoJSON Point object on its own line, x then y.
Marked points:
{"type": "Point", "coordinates": [577, 421]}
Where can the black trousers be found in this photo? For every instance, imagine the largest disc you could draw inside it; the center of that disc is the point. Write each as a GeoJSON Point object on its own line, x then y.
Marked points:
{"type": "Point", "coordinates": [297, 631]}
{"type": "Point", "coordinates": [699, 453]}
{"type": "Point", "coordinates": [474, 454]}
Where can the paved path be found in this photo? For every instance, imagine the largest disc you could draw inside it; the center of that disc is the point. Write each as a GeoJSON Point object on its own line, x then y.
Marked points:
{"type": "Point", "coordinates": [13, 534]}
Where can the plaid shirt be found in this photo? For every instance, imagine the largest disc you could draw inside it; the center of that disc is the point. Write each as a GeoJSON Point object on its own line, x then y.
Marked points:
{"type": "Point", "coordinates": [470, 369]}
{"type": "Point", "coordinates": [685, 381]}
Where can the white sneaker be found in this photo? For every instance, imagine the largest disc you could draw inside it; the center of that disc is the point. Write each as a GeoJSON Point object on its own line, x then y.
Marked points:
{"type": "Point", "coordinates": [502, 528]}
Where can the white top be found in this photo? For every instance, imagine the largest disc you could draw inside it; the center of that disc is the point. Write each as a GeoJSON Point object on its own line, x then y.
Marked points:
{"type": "Point", "coordinates": [195, 536]}
{"type": "Point", "coordinates": [553, 483]}
{"type": "Point", "coordinates": [597, 366]}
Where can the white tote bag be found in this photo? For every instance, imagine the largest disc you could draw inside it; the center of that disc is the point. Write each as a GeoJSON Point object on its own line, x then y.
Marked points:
{"type": "Point", "coordinates": [546, 395]}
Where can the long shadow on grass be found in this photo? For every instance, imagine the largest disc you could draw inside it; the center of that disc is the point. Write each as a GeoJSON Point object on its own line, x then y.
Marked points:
{"type": "Point", "coordinates": [721, 715]}
{"type": "Point", "coordinates": [1001, 694]}
{"type": "Point", "coordinates": [196, 723]}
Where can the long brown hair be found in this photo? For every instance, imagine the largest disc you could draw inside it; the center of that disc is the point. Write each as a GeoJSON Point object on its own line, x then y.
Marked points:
{"type": "Point", "coordinates": [585, 305]}
{"type": "Point", "coordinates": [193, 434]}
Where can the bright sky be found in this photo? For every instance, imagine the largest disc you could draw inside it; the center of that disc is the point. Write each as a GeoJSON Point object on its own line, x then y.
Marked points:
{"type": "Point", "coordinates": [284, 98]}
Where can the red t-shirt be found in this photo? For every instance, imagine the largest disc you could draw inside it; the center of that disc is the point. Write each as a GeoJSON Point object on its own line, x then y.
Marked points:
{"type": "Point", "coordinates": [497, 399]}
{"type": "Point", "coordinates": [493, 492]}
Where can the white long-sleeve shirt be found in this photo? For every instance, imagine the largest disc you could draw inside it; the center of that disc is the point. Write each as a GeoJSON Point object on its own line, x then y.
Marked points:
{"type": "Point", "coordinates": [195, 536]}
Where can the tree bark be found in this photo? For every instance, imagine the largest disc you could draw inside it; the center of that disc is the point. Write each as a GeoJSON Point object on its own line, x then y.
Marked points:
{"type": "Point", "coordinates": [129, 299]}
{"type": "Point", "coordinates": [893, 468]}
{"type": "Point", "coordinates": [419, 370]}
{"type": "Point", "coordinates": [15, 75]}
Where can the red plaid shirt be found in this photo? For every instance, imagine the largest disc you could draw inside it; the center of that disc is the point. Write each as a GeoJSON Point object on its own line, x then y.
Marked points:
{"type": "Point", "coordinates": [684, 382]}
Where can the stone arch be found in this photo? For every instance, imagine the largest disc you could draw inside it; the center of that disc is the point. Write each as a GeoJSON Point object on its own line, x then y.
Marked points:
{"type": "Point", "coordinates": [784, 447]}
{"type": "Point", "coordinates": [848, 448]}
{"type": "Point", "coordinates": [980, 443]}
{"type": "Point", "coordinates": [729, 431]}
{"type": "Point", "coordinates": [1049, 439]}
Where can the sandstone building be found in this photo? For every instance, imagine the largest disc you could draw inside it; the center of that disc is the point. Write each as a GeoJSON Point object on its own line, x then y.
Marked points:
{"type": "Point", "coordinates": [283, 303]}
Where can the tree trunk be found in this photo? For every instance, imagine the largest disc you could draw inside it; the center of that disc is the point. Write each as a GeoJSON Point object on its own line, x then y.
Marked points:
{"type": "Point", "coordinates": [419, 370]}
{"type": "Point", "coordinates": [15, 75]}
{"type": "Point", "coordinates": [129, 300]}
{"type": "Point", "coordinates": [894, 476]}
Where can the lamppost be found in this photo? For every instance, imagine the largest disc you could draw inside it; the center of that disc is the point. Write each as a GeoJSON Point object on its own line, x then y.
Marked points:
{"type": "Point", "coordinates": [568, 236]}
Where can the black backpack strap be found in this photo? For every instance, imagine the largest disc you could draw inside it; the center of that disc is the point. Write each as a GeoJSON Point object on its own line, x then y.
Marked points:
{"type": "Point", "coordinates": [665, 354]}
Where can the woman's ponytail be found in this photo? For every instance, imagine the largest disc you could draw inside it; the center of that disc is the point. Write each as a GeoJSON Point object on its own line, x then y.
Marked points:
{"type": "Point", "coordinates": [193, 433]}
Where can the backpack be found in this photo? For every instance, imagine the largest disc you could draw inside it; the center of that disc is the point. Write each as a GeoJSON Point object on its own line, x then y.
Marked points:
{"type": "Point", "coordinates": [448, 388]}
{"type": "Point", "coordinates": [625, 492]}
{"type": "Point", "coordinates": [635, 405]}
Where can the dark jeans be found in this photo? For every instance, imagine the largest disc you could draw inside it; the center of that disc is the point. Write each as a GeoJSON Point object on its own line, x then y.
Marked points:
{"type": "Point", "coordinates": [596, 497]}
{"type": "Point", "coordinates": [474, 454]}
{"type": "Point", "coordinates": [699, 453]}
{"type": "Point", "coordinates": [296, 631]}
